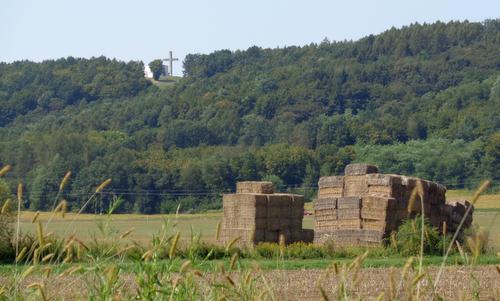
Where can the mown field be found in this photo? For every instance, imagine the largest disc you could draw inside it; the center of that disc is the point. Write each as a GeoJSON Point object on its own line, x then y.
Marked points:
{"type": "Point", "coordinates": [86, 226]}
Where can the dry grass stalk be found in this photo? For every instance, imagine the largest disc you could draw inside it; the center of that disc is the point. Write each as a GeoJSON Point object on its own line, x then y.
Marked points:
{"type": "Point", "coordinates": [28, 272]}
{"type": "Point", "coordinates": [478, 192]}
{"type": "Point", "coordinates": [127, 233]}
{"type": "Point", "coordinates": [35, 217]}
{"type": "Point", "coordinates": [6, 206]}
{"type": "Point", "coordinates": [217, 231]}
{"type": "Point", "coordinates": [5, 170]}
{"type": "Point", "coordinates": [185, 266]}
{"type": "Point", "coordinates": [64, 181]}
{"type": "Point", "coordinates": [21, 254]}
{"type": "Point", "coordinates": [103, 185]}
{"type": "Point", "coordinates": [234, 260]}
{"type": "Point", "coordinates": [232, 242]}
{"type": "Point", "coordinates": [171, 252]}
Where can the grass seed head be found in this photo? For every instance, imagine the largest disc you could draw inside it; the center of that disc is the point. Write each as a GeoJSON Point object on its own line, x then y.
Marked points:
{"type": "Point", "coordinates": [234, 260]}
{"type": "Point", "coordinates": [232, 242]}
{"type": "Point", "coordinates": [21, 254]}
{"type": "Point", "coordinates": [127, 233]}
{"type": "Point", "coordinates": [64, 181]}
{"type": "Point", "coordinates": [47, 257]}
{"type": "Point", "coordinates": [6, 206]}
{"type": "Point", "coordinates": [35, 217]}
{"type": "Point", "coordinates": [185, 266]}
{"type": "Point", "coordinates": [103, 185]}
{"type": "Point", "coordinates": [28, 272]}
{"type": "Point", "coordinates": [39, 230]}
{"type": "Point", "coordinates": [217, 231]}
{"type": "Point", "coordinates": [480, 190]}
{"type": "Point", "coordinates": [5, 170]}
{"type": "Point", "coordinates": [171, 252]}
{"type": "Point", "coordinates": [20, 192]}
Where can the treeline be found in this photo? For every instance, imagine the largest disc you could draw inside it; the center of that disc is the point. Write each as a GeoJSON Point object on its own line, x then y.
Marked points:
{"type": "Point", "coordinates": [423, 100]}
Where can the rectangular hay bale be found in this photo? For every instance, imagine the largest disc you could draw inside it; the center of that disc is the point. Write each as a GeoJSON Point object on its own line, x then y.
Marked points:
{"type": "Point", "coordinates": [332, 181]}
{"type": "Point", "coordinates": [356, 169]}
{"type": "Point", "coordinates": [254, 187]}
{"type": "Point", "coordinates": [343, 214]}
{"type": "Point", "coordinates": [349, 202]}
{"type": "Point", "coordinates": [330, 192]}
{"type": "Point", "coordinates": [355, 185]}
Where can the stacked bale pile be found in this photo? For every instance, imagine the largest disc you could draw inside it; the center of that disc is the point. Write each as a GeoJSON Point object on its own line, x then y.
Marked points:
{"type": "Point", "coordinates": [256, 214]}
{"type": "Point", "coordinates": [363, 207]}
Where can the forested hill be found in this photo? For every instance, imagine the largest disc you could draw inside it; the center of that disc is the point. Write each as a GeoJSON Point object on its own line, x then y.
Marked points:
{"type": "Point", "coordinates": [422, 100]}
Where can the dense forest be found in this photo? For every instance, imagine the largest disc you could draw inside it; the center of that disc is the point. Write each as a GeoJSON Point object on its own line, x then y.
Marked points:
{"type": "Point", "coordinates": [422, 100]}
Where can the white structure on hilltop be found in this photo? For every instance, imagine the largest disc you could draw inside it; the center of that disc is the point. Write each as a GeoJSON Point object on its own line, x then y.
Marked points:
{"type": "Point", "coordinates": [149, 74]}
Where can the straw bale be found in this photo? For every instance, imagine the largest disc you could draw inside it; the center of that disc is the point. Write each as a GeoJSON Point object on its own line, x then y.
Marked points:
{"type": "Point", "coordinates": [331, 215]}
{"type": "Point", "coordinates": [297, 201]}
{"type": "Point", "coordinates": [355, 185]}
{"type": "Point", "coordinates": [372, 224]}
{"type": "Point", "coordinates": [296, 223]}
{"type": "Point", "coordinates": [297, 213]}
{"type": "Point", "coordinates": [323, 236]}
{"type": "Point", "coordinates": [349, 224]}
{"type": "Point", "coordinates": [327, 222]}
{"type": "Point", "coordinates": [273, 224]}
{"type": "Point", "coordinates": [353, 202]}
{"type": "Point", "coordinates": [376, 202]}
{"type": "Point", "coordinates": [285, 223]}
{"type": "Point", "coordinates": [271, 236]}
{"type": "Point", "coordinates": [261, 223]}
{"type": "Point", "coordinates": [325, 203]}
{"type": "Point", "coordinates": [307, 235]}
{"type": "Point", "coordinates": [395, 191]}
{"type": "Point", "coordinates": [343, 214]}
{"type": "Point", "coordinates": [254, 187]}
{"type": "Point", "coordinates": [369, 235]}
{"type": "Point", "coordinates": [247, 203]}
{"type": "Point", "coordinates": [331, 192]}
{"type": "Point", "coordinates": [377, 179]}
{"type": "Point", "coordinates": [374, 213]}
{"type": "Point", "coordinates": [437, 193]}
{"type": "Point", "coordinates": [330, 182]}
{"type": "Point", "coordinates": [359, 169]}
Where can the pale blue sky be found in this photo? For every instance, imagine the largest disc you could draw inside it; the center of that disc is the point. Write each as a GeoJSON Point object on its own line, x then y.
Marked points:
{"type": "Point", "coordinates": [148, 29]}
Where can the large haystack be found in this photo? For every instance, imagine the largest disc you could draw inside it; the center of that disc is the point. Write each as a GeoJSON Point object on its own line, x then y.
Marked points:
{"type": "Point", "coordinates": [363, 207]}
{"type": "Point", "coordinates": [256, 214]}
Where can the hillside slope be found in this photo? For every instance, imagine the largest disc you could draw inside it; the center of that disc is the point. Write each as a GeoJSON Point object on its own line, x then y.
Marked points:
{"type": "Point", "coordinates": [421, 100]}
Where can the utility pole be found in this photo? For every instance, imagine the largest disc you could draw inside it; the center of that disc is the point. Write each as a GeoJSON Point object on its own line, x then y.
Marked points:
{"type": "Point", "coordinates": [170, 60]}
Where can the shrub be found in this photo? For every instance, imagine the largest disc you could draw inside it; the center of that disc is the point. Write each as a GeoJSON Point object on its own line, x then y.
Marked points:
{"type": "Point", "coordinates": [407, 239]}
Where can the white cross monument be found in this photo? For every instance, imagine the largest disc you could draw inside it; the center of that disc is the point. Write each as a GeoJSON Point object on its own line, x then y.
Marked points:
{"type": "Point", "coordinates": [170, 60]}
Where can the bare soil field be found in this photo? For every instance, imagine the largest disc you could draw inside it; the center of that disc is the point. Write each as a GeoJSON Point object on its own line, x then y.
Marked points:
{"type": "Point", "coordinates": [483, 282]}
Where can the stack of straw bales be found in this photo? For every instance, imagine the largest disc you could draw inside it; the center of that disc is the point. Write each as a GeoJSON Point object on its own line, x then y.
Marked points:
{"type": "Point", "coordinates": [256, 214]}
{"type": "Point", "coordinates": [363, 207]}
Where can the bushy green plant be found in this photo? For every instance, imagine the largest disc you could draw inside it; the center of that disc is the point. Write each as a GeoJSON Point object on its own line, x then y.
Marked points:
{"type": "Point", "coordinates": [406, 241]}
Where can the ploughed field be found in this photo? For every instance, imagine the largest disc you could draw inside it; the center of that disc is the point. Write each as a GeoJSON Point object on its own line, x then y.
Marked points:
{"type": "Point", "coordinates": [86, 226]}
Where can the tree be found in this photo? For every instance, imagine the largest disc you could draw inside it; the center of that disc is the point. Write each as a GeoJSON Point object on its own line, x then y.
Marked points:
{"type": "Point", "coordinates": [156, 67]}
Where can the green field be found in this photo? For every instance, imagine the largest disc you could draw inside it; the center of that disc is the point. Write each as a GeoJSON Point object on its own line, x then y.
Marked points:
{"type": "Point", "coordinates": [144, 226]}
